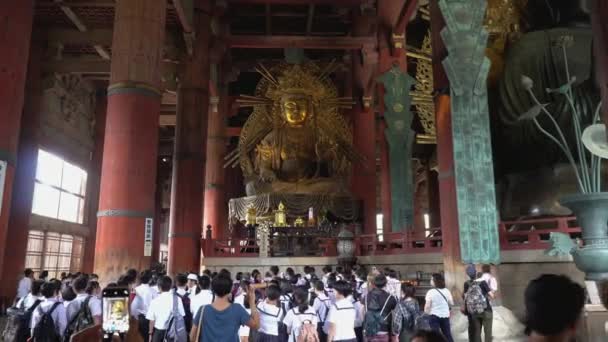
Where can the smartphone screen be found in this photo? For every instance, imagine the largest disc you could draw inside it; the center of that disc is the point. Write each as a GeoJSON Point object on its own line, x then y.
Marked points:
{"type": "Point", "coordinates": [115, 303]}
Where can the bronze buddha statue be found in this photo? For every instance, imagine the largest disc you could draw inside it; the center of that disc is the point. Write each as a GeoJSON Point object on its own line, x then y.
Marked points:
{"type": "Point", "coordinates": [295, 141]}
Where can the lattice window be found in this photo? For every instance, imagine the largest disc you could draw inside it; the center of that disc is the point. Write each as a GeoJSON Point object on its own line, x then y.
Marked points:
{"type": "Point", "coordinates": [54, 252]}
{"type": "Point", "coordinates": [60, 189]}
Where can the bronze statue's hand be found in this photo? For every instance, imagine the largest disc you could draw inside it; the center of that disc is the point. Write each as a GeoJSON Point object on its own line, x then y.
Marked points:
{"type": "Point", "coordinates": [267, 175]}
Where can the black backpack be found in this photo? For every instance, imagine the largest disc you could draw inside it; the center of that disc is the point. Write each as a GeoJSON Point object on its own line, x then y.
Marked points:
{"type": "Point", "coordinates": [18, 322]}
{"type": "Point", "coordinates": [82, 320]}
{"type": "Point", "coordinates": [45, 330]}
{"type": "Point", "coordinates": [186, 302]}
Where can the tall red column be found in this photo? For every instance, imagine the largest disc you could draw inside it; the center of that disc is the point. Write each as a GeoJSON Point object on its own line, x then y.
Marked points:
{"type": "Point", "coordinates": [216, 203]}
{"type": "Point", "coordinates": [364, 122]}
{"type": "Point", "coordinates": [188, 181]}
{"type": "Point", "coordinates": [128, 175]}
{"type": "Point", "coordinates": [15, 34]}
{"type": "Point", "coordinates": [23, 188]}
{"type": "Point", "coordinates": [94, 180]}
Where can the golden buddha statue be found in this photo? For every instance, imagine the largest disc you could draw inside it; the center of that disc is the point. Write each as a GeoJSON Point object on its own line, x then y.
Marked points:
{"type": "Point", "coordinates": [295, 141]}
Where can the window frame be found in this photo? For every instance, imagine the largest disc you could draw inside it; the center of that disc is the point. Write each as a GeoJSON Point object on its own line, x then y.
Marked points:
{"type": "Point", "coordinates": [82, 198]}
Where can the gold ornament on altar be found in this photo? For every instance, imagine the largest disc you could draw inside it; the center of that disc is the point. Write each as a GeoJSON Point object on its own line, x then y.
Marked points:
{"type": "Point", "coordinates": [280, 216]}
{"type": "Point", "coordinates": [251, 216]}
{"type": "Point", "coordinates": [295, 141]}
{"type": "Point", "coordinates": [299, 222]}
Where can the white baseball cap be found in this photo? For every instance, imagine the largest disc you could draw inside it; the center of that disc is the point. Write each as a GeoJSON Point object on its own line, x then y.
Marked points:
{"type": "Point", "coordinates": [192, 276]}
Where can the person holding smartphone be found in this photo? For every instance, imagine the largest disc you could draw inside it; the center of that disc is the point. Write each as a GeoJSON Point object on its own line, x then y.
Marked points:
{"type": "Point", "coordinates": [221, 320]}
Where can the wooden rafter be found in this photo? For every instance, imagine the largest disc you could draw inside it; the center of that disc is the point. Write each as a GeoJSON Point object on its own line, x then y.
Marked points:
{"type": "Point", "coordinates": [268, 13]}
{"type": "Point", "coordinates": [67, 10]}
{"type": "Point", "coordinates": [278, 42]}
{"type": "Point", "coordinates": [309, 19]}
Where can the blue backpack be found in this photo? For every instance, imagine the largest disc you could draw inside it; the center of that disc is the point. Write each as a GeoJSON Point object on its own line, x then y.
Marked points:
{"type": "Point", "coordinates": [176, 326]}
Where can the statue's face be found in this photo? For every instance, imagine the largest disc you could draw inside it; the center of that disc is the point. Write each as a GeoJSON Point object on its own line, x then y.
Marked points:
{"type": "Point", "coordinates": [295, 109]}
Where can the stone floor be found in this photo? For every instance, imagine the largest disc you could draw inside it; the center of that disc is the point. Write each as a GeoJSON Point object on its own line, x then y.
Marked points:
{"type": "Point", "coordinates": [505, 326]}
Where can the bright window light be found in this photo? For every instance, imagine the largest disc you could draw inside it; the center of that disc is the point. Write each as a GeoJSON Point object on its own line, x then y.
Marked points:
{"type": "Point", "coordinates": [427, 221]}
{"type": "Point", "coordinates": [60, 189]}
{"type": "Point", "coordinates": [379, 226]}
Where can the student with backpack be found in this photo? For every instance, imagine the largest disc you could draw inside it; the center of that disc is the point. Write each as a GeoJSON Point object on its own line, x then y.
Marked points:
{"type": "Point", "coordinates": [83, 311]}
{"type": "Point", "coordinates": [321, 305]}
{"type": "Point", "coordinates": [184, 294]}
{"type": "Point", "coordinates": [406, 313]}
{"type": "Point", "coordinates": [477, 308]}
{"type": "Point", "coordinates": [379, 304]}
{"type": "Point", "coordinates": [19, 317]}
{"type": "Point", "coordinates": [342, 315]}
{"type": "Point", "coordinates": [49, 319]}
{"type": "Point", "coordinates": [164, 312]}
{"type": "Point", "coordinates": [301, 321]}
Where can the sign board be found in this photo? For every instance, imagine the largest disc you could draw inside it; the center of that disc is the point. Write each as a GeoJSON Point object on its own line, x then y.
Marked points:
{"type": "Point", "coordinates": [148, 229]}
{"type": "Point", "coordinates": [3, 167]}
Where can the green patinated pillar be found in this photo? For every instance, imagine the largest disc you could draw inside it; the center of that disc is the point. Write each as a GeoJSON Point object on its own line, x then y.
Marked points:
{"type": "Point", "coordinates": [400, 138]}
{"type": "Point", "coordinates": [467, 69]}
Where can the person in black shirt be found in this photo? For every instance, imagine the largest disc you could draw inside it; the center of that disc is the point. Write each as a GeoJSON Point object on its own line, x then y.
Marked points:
{"type": "Point", "coordinates": [483, 320]}
{"type": "Point", "coordinates": [378, 300]}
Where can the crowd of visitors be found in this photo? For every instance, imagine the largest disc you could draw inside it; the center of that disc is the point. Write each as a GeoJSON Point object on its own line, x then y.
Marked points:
{"type": "Point", "coordinates": [343, 304]}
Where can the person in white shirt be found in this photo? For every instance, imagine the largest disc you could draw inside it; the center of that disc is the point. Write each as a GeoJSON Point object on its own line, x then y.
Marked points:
{"type": "Point", "coordinates": [204, 297]}
{"type": "Point", "coordinates": [321, 305]}
{"type": "Point", "coordinates": [50, 291]}
{"type": "Point", "coordinates": [326, 272]}
{"type": "Point", "coordinates": [193, 287]}
{"type": "Point", "coordinates": [393, 284]}
{"type": "Point", "coordinates": [242, 299]}
{"type": "Point", "coordinates": [270, 315]}
{"type": "Point", "coordinates": [144, 294]}
{"type": "Point", "coordinates": [161, 307]}
{"type": "Point", "coordinates": [31, 298]}
{"type": "Point", "coordinates": [80, 286]}
{"type": "Point", "coordinates": [25, 284]}
{"type": "Point", "coordinates": [360, 316]}
{"type": "Point", "coordinates": [342, 315]}
{"type": "Point", "coordinates": [300, 315]}
{"type": "Point", "coordinates": [489, 279]}
{"type": "Point", "coordinates": [438, 302]}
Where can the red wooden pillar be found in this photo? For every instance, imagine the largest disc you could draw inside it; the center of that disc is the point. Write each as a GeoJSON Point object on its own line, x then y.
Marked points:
{"type": "Point", "coordinates": [185, 227]}
{"type": "Point", "coordinates": [128, 176]}
{"type": "Point", "coordinates": [216, 203]}
{"type": "Point", "coordinates": [15, 34]}
{"type": "Point", "coordinates": [93, 182]}
{"type": "Point", "coordinates": [364, 122]}
{"type": "Point", "coordinates": [599, 13]}
{"type": "Point", "coordinates": [25, 175]}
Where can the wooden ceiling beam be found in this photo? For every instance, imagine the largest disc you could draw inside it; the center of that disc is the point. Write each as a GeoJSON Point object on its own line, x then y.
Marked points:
{"type": "Point", "coordinates": [279, 42]}
{"type": "Point", "coordinates": [73, 3]}
{"type": "Point", "coordinates": [268, 13]}
{"type": "Point", "coordinates": [302, 2]}
{"type": "Point", "coordinates": [90, 37]}
{"type": "Point", "coordinates": [88, 66]}
{"type": "Point", "coordinates": [67, 10]}
{"type": "Point", "coordinates": [309, 19]}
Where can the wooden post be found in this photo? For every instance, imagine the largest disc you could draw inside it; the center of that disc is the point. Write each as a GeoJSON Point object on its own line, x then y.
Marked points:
{"type": "Point", "coordinates": [128, 176]}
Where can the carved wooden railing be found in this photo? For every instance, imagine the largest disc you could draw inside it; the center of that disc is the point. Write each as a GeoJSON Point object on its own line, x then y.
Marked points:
{"type": "Point", "coordinates": [534, 234]}
{"type": "Point", "coordinates": [214, 248]}
{"type": "Point", "coordinates": [514, 235]}
{"type": "Point", "coordinates": [399, 243]}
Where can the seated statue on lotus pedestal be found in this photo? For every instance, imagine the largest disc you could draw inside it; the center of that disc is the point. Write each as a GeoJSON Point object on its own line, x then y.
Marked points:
{"type": "Point", "coordinates": [295, 148]}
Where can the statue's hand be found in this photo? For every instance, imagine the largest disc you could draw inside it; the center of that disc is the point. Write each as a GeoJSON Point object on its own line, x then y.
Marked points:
{"type": "Point", "coordinates": [267, 175]}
